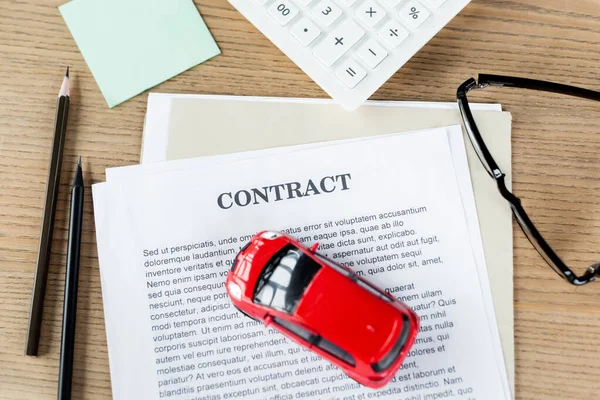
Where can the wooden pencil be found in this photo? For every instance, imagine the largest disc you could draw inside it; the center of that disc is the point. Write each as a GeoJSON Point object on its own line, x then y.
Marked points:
{"type": "Point", "coordinates": [52, 185]}
{"type": "Point", "coordinates": [67, 347]}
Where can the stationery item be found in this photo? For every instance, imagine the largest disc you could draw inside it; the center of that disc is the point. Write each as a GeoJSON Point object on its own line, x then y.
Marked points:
{"type": "Point", "coordinates": [492, 168]}
{"type": "Point", "coordinates": [350, 48]}
{"type": "Point", "coordinates": [132, 45]}
{"type": "Point", "coordinates": [65, 372]}
{"type": "Point", "coordinates": [165, 246]}
{"type": "Point", "coordinates": [52, 185]}
{"type": "Point", "coordinates": [502, 295]}
{"type": "Point", "coordinates": [316, 111]}
{"type": "Point", "coordinates": [172, 132]}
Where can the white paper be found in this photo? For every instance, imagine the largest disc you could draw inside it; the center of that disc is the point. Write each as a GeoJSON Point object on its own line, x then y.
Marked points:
{"type": "Point", "coordinates": [461, 167]}
{"type": "Point", "coordinates": [156, 125]}
{"type": "Point", "coordinates": [165, 209]}
{"type": "Point", "coordinates": [194, 130]}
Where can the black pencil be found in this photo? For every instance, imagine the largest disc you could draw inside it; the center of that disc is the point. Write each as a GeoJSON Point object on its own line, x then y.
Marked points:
{"type": "Point", "coordinates": [43, 258]}
{"type": "Point", "coordinates": [65, 372]}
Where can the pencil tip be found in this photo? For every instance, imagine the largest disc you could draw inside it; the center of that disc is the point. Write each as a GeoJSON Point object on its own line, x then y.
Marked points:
{"type": "Point", "coordinates": [65, 88]}
{"type": "Point", "coordinates": [78, 179]}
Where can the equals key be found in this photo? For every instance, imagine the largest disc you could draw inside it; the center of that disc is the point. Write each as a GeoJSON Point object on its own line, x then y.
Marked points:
{"type": "Point", "coordinates": [350, 73]}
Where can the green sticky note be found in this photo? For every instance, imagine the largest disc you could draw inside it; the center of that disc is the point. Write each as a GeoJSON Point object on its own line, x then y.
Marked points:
{"type": "Point", "coordinates": [132, 45]}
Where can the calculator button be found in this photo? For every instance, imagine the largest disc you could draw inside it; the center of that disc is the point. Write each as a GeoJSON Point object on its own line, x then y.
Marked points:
{"type": "Point", "coordinates": [305, 31]}
{"type": "Point", "coordinates": [391, 3]}
{"type": "Point", "coordinates": [283, 11]}
{"type": "Point", "coordinates": [303, 3]}
{"type": "Point", "coordinates": [393, 33]}
{"type": "Point", "coordinates": [370, 13]}
{"type": "Point", "coordinates": [372, 53]}
{"type": "Point", "coordinates": [350, 73]}
{"type": "Point", "coordinates": [261, 2]}
{"type": "Point", "coordinates": [327, 12]}
{"type": "Point", "coordinates": [338, 42]}
{"type": "Point", "coordinates": [435, 3]}
{"type": "Point", "coordinates": [347, 3]}
{"type": "Point", "coordinates": [414, 14]}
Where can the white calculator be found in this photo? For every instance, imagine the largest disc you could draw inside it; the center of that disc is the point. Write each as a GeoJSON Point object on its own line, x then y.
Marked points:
{"type": "Point", "coordinates": [349, 47]}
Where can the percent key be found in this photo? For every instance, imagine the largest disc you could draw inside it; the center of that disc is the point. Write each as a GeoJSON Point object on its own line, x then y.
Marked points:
{"type": "Point", "coordinates": [414, 14]}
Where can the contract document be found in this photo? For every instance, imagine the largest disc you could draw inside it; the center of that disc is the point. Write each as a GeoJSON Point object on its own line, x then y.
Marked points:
{"type": "Point", "coordinates": [389, 207]}
{"type": "Point", "coordinates": [199, 126]}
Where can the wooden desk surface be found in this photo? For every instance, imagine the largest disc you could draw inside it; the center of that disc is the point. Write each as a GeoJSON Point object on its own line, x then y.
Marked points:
{"type": "Point", "coordinates": [556, 152]}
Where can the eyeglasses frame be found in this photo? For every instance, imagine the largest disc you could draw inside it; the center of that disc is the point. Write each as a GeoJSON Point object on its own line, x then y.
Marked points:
{"type": "Point", "coordinates": [492, 168]}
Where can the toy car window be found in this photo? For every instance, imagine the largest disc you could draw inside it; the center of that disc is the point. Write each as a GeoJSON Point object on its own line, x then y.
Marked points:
{"type": "Point", "coordinates": [295, 329]}
{"type": "Point", "coordinates": [285, 278]}
{"type": "Point", "coordinates": [373, 290]}
{"type": "Point", "coordinates": [360, 282]}
{"type": "Point", "coordinates": [389, 358]}
{"type": "Point", "coordinates": [333, 265]}
{"type": "Point", "coordinates": [281, 276]}
{"type": "Point", "coordinates": [335, 351]}
{"type": "Point", "coordinates": [265, 295]}
{"type": "Point", "coordinates": [368, 288]}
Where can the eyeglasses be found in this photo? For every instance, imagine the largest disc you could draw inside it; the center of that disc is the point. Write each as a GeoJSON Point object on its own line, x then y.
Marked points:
{"type": "Point", "coordinates": [494, 171]}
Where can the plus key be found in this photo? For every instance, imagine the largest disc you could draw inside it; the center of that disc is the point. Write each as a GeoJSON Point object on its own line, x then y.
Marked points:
{"type": "Point", "coordinates": [338, 42]}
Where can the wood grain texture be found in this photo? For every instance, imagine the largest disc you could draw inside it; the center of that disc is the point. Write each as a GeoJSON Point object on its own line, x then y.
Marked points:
{"type": "Point", "coordinates": [556, 152]}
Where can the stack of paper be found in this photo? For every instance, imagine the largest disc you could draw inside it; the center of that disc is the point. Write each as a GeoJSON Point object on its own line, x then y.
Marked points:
{"type": "Point", "coordinates": [180, 126]}
{"type": "Point", "coordinates": [401, 212]}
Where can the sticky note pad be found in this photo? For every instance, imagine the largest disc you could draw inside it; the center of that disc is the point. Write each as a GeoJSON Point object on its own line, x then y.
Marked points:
{"type": "Point", "coordinates": [132, 45]}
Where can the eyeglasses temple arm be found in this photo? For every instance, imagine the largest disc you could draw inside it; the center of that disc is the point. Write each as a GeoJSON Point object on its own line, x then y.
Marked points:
{"type": "Point", "coordinates": [540, 243]}
{"type": "Point", "coordinates": [593, 272]}
{"type": "Point", "coordinates": [472, 129]}
{"type": "Point", "coordinates": [525, 83]}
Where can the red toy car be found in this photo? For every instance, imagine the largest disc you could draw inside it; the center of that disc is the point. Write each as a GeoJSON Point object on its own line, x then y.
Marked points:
{"type": "Point", "coordinates": [323, 306]}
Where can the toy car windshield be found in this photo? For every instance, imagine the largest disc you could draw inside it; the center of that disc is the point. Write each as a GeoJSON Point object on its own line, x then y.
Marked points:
{"type": "Point", "coordinates": [285, 278]}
